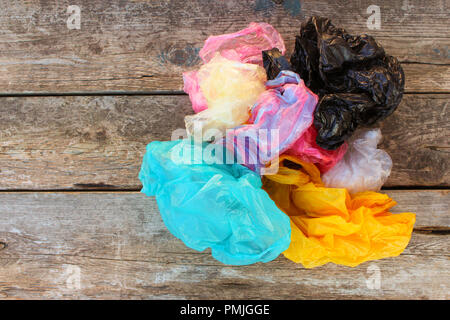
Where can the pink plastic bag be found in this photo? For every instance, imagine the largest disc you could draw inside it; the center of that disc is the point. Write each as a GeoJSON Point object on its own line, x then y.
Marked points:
{"type": "Point", "coordinates": [192, 87]}
{"type": "Point", "coordinates": [243, 46]}
{"type": "Point", "coordinates": [307, 150]}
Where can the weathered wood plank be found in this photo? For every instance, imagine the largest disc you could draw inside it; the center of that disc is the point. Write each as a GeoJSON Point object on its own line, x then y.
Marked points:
{"type": "Point", "coordinates": [118, 246]}
{"type": "Point", "coordinates": [417, 138]}
{"type": "Point", "coordinates": [143, 46]}
{"type": "Point", "coordinates": [420, 78]}
{"type": "Point", "coordinates": [98, 142]}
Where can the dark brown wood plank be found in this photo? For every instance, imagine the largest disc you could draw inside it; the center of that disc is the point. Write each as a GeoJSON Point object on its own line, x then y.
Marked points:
{"type": "Point", "coordinates": [144, 46]}
{"type": "Point", "coordinates": [417, 138]}
{"type": "Point", "coordinates": [118, 246]}
{"type": "Point", "coordinates": [98, 142]}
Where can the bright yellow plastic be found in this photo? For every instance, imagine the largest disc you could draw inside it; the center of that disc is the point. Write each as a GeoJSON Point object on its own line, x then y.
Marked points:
{"type": "Point", "coordinates": [329, 225]}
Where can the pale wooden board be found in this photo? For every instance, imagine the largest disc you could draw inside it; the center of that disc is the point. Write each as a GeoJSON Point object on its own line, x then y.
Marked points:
{"type": "Point", "coordinates": [144, 46]}
{"type": "Point", "coordinates": [120, 247]}
{"type": "Point", "coordinates": [98, 142]}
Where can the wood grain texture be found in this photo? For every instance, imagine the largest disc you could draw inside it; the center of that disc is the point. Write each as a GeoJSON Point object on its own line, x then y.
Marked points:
{"type": "Point", "coordinates": [113, 245]}
{"type": "Point", "coordinates": [119, 247]}
{"type": "Point", "coordinates": [416, 136]}
{"type": "Point", "coordinates": [144, 46]}
{"type": "Point", "coordinates": [98, 142]}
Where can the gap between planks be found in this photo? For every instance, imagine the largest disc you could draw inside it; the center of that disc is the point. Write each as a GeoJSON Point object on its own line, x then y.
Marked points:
{"type": "Point", "coordinates": [142, 93]}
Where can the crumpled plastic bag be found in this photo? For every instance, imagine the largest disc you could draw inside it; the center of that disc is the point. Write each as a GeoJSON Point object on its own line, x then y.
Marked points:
{"type": "Point", "coordinates": [364, 167]}
{"type": "Point", "coordinates": [329, 225]}
{"type": "Point", "coordinates": [230, 88]}
{"type": "Point", "coordinates": [306, 149]}
{"type": "Point", "coordinates": [244, 46]}
{"type": "Point", "coordinates": [287, 106]}
{"type": "Point", "coordinates": [217, 206]}
{"type": "Point", "coordinates": [357, 82]}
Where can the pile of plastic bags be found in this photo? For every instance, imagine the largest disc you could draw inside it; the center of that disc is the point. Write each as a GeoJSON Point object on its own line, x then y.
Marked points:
{"type": "Point", "coordinates": [274, 160]}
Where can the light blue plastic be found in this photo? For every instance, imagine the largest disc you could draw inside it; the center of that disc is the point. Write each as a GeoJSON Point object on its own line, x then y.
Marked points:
{"type": "Point", "coordinates": [220, 206]}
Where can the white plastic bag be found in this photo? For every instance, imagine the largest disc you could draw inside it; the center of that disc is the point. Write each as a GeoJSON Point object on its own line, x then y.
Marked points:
{"type": "Point", "coordinates": [363, 167]}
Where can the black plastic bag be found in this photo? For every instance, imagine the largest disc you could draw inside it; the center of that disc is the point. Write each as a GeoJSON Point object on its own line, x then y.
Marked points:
{"type": "Point", "coordinates": [274, 62]}
{"type": "Point", "coordinates": [357, 82]}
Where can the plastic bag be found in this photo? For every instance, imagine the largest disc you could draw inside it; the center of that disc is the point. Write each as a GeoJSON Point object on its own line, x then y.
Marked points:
{"type": "Point", "coordinates": [285, 110]}
{"type": "Point", "coordinates": [329, 225]}
{"type": "Point", "coordinates": [192, 87]}
{"type": "Point", "coordinates": [243, 46]}
{"type": "Point", "coordinates": [230, 88]}
{"type": "Point", "coordinates": [287, 106]}
{"type": "Point", "coordinates": [307, 150]}
{"type": "Point", "coordinates": [364, 167]}
{"type": "Point", "coordinates": [221, 206]}
{"type": "Point", "coordinates": [357, 82]}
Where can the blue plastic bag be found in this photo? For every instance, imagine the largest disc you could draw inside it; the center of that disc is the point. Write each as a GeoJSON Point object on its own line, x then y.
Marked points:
{"type": "Point", "coordinates": [221, 206]}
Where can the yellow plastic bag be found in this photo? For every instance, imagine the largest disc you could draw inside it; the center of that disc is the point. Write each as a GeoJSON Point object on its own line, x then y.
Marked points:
{"type": "Point", "coordinates": [230, 89]}
{"type": "Point", "coordinates": [329, 225]}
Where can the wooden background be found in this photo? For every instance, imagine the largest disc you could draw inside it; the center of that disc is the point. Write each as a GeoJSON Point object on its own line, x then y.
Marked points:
{"type": "Point", "coordinates": [77, 108]}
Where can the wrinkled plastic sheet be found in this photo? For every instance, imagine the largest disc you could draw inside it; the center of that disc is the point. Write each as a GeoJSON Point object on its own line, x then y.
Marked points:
{"type": "Point", "coordinates": [285, 111]}
{"type": "Point", "coordinates": [357, 82]}
{"type": "Point", "coordinates": [330, 225]}
{"type": "Point", "coordinates": [274, 62]}
{"type": "Point", "coordinates": [363, 167]}
{"type": "Point", "coordinates": [230, 88]}
{"type": "Point", "coordinates": [245, 45]}
{"type": "Point", "coordinates": [217, 206]}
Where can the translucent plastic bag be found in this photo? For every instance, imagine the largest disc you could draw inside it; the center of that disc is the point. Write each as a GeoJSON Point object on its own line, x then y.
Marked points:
{"type": "Point", "coordinates": [287, 106]}
{"type": "Point", "coordinates": [364, 167]}
{"type": "Point", "coordinates": [244, 46]}
{"type": "Point", "coordinates": [329, 225]}
{"type": "Point", "coordinates": [357, 82]}
{"type": "Point", "coordinates": [229, 88]}
{"type": "Point", "coordinates": [217, 206]}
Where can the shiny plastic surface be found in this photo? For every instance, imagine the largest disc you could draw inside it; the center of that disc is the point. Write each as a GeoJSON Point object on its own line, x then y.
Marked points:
{"type": "Point", "coordinates": [329, 225]}
{"type": "Point", "coordinates": [230, 88]}
{"type": "Point", "coordinates": [243, 46]}
{"type": "Point", "coordinates": [357, 82]}
{"type": "Point", "coordinates": [364, 167]}
{"type": "Point", "coordinates": [287, 107]}
{"type": "Point", "coordinates": [217, 206]}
